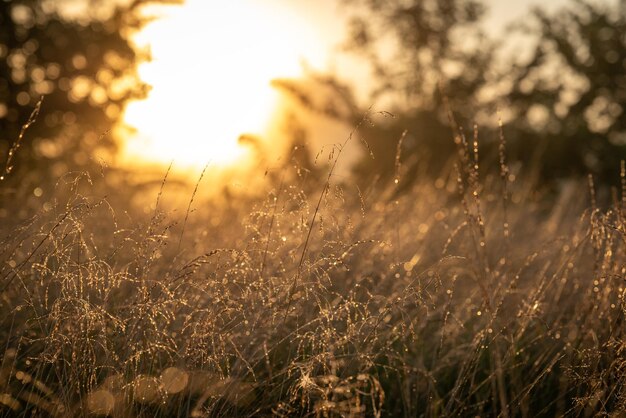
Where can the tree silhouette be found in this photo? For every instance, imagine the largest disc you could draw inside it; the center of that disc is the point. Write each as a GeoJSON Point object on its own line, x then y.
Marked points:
{"type": "Point", "coordinates": [568, 100]}
{"type": "Point", "coordinates": [83, 67]}
{"type": "Point", "coordinates": [422, 53]}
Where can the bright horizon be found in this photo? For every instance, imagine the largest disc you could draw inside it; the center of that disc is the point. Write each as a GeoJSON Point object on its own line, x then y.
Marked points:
{"type": "Point", "coordinates": [214, 86]}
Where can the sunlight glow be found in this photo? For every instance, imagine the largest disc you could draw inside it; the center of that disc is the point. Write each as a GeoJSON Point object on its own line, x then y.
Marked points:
{"type": "Point", "coordinates": [212, 63]}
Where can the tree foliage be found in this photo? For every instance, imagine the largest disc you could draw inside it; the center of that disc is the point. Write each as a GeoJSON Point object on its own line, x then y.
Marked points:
{"type": "Point", "coordinates": [568, 100]}
{"type": "Point", "coordinates": [83, 67]}
{"type": "Point", "coordinates": [566, 103]}
{"type": "Point", "coordinates": [415, 45]}
{"type": "Point", "coordinates": [423, 56]}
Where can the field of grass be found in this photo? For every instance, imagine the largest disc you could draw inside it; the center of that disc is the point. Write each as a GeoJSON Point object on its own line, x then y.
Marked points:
{"type": "Point", "coordinates": [469, 295]}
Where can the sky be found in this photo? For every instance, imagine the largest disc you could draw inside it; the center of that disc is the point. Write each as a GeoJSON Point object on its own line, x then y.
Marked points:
{"type": "Point", "coordinates": [328, 14]}
{"type": "Point", "coordinates": [503, 12]}
{"type": "Point", "coordinates": [220, 42]}
{"type": "Point", "coordinates": [328, 23]}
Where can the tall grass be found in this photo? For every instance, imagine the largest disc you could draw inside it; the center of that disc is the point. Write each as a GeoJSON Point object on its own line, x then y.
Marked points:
{"type": "Point", "coordinates": [468, 295]}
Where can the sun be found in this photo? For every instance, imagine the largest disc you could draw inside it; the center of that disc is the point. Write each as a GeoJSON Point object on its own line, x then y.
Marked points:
{"type": "Point", "coordinates": [210, 71]}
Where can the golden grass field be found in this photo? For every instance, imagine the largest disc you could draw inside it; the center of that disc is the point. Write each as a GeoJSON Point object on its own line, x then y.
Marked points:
{"type": "Point", "coordinates": [473, 294]}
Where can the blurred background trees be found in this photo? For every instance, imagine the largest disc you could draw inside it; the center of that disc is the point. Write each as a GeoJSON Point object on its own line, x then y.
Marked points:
{"type": "Point", "coordinates": [568, 100]}
{"type": "Point", "coordinates": [421, 54]}
{"type": "Point", "coordinates": [83, 66]}
{"type": "Point", "coordinates": [563, 106]}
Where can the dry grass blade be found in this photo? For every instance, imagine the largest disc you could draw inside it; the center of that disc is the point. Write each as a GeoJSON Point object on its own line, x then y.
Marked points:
{"type": "Point", "coordinates": [390, 311]}
{"type": "Point", "coordinates": [324, 190]}
{"type": "Point", "coordinates": [8, 165]}
{"type": "Point", "coordinates": [193, 195]}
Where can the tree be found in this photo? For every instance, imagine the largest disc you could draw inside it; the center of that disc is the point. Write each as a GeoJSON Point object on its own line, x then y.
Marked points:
{"type": "Point", "coordinates": [423, 53]}
{"type": "Point", "coordinates": [568, 100]}
{"type": "Point", "coordinates": [83, 67]}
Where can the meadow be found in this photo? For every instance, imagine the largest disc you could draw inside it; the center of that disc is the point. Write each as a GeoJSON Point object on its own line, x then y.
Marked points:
{"type": "Point", "coordinates": [478, 293]}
